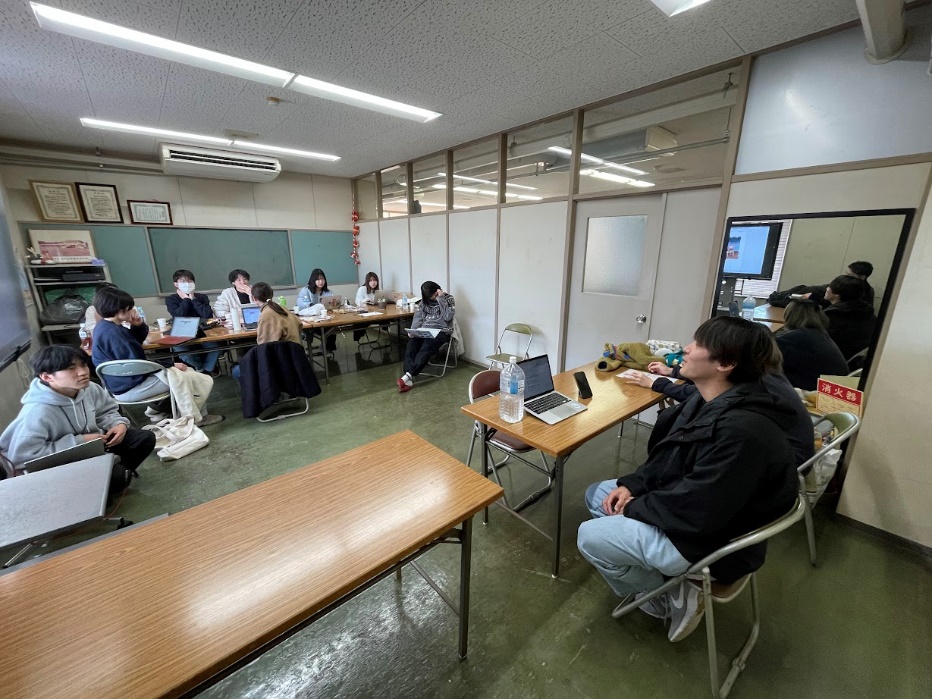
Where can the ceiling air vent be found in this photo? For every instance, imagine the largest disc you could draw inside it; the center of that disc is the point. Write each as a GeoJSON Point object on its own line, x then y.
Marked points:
{"type": "Point", "coordinates": [217, 164]}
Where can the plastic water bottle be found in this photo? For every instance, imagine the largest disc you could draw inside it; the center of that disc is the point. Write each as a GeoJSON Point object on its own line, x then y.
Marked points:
{"type": "Point", "coordinates": [404, 300]}
{"type": "Point", "coordinates": [511, 392]}
{"type": "Point", "coordinates": [85, 337]}
{"type": "Point", "coordinates": [747, 308]}
{"type": "Point", "coordinates": [282, 302]}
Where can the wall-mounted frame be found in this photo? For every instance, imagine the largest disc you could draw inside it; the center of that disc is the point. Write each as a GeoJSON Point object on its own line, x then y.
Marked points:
{"type": "Point", "coordinates": [57, 202]}
{"type": "Point", "coordinates": [63, 246]}
{"type": "Point", "coordinates": [150, 213]}
{"type": "Point", "coordinates": [99, 202]}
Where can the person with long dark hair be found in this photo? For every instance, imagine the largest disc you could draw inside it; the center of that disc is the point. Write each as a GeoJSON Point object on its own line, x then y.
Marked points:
{"type": "Point", "coordinates": [436, 310]}
{"type": "Point", "coordinates": [311, 294]}
{"type": "Point", "coordinates": [276, 324]}
{"type": "Point", "coordinates": [366, 294]}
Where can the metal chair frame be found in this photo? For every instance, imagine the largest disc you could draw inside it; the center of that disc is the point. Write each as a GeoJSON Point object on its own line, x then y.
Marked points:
{"type": "Point", "coordinates": [502, 357]}
{"type": "Point", "coordinates": [701, 570]}
{"type": "Point", "coordinates": [451, 348]}
{"type": "Point", "coordinates": [284, 416]}
{"type": "Point", "coordinates": [847, 425]}
{"type": "Point", "coordinates": [507, 450]}
{"type": "Point", "coordinates": [131, 367]}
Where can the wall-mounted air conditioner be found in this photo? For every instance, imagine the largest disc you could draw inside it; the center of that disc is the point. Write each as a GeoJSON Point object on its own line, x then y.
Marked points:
{"type": "Point", "coordinates": [217, 164]}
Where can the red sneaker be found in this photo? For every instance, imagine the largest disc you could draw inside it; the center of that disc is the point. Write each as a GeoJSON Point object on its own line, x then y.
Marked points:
{"type": "Point", "coordinates": [402, 386]}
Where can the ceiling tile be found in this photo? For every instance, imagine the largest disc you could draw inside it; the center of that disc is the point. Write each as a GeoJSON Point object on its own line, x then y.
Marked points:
{"type": "Point", "coordinates": [157, 19]}
{"type": "Point", "coordinates": [785, 21]}
{"type": "Point", "coordinates": [123, 86]}
{"type": "Point", "coordinates": [196, 99]}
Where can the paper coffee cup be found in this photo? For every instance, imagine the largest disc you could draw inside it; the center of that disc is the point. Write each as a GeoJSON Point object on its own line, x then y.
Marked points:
{"type": "Point", "coordinates": [163, 324]}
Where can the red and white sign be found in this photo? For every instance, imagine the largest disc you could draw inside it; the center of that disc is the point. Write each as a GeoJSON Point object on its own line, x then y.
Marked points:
{"type": "Point", "coordinates": [836, 398]}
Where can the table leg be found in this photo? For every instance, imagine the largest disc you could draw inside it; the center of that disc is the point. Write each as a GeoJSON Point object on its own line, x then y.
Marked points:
{"type": "Point", "coordinates": [465, 563]}
{"type": "Point", "coordinates": [558, 513]}
{"type": "Point", "coordinates": [484, 460]}
{"type": "Point", "coordinates": [323, 354]}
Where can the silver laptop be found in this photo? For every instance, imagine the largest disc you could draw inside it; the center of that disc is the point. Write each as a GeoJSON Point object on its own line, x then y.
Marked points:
{"type": "Point", "coordinates": [540, 400]}
{"type": "Point", "coordinates": [332, 302]}
{"type": "Point", "coordinates": [86, 450]}
{"type": "Point", "coordinates": [425, 333]}
{"type": "Point", "coordinates": [251, 317]}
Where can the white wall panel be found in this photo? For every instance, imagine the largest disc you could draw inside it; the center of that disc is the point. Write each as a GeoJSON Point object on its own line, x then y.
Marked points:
{"type": "Point", "coordinates": [333, 202]}
{"type": "Point", "coordinates": [687, 242]}
{"type": "Point", "coordinates": [473, 244]}
{"type": "Point", "coordinates": [821, 102]}
{"type": "Point", "coordinates": [369, 256]}
{"type": "Point", "coordinates": [287, 202]}
{"type": "Point", "coordinates": [429, 250]}
{"type": "Point", "coordinates": [396, 254]}
{"type": "Point", "coordinates": [532, 251]}
{"type": "Point", "coordinates": [218, 203]}
{"type": "Point", "coordinates": [900, 187]}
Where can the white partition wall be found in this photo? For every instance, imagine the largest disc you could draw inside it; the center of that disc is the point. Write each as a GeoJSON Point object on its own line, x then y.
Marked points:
{"type": "Point", "coordinates": [396, 254]}
{"type": "Point", "coordinates": [370, 256]}
{"type": "Point", "coordinates": [429, 250]}
{"type": "Point", "coordinates": [532, 252]}
{"type": "Point", "coordinates": [473, 253]}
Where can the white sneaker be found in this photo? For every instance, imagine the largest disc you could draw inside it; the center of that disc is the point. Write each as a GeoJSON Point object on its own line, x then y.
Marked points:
{"type": "Point", "coordinates": [209, 420]}
{"type": "Point", "coordinates": [154, 415]}
{"type": "Point", "coordinates": [686, 606]}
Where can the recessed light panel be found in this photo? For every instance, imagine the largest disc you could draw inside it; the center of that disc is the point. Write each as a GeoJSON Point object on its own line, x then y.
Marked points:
{"type": "Point", "coordinates": [675, 7]}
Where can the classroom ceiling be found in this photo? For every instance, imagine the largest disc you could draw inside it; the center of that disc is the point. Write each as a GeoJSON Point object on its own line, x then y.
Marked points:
{"type": "Point", "coordinates": [486, 65]}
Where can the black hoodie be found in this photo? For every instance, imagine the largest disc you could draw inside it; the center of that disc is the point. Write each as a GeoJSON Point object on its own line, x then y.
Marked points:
{"type": "Point", "coordinates": [717, 471]}
{"type": "Point", "coordinates": [851, 325]}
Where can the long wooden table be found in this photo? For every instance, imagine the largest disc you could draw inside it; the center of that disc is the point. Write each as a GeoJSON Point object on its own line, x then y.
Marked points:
{"type": "Point", "coordinates": [246, 338]}
{"type": "Point", "coordinates": [173, 606]}
{"type": "Point", "coordinates": [771, 314]}
{"type": "Point", "coordinates": [613, 401]}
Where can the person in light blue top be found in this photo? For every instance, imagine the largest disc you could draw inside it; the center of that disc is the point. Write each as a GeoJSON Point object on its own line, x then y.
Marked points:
{"type": "Point", "coordinates": [315, 290]}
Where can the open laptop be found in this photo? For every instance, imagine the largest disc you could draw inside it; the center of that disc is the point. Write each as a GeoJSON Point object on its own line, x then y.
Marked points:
{"type": "Point", "coordinates": [251, 317]}
{"type": "Point", "coordinates": [332, 302]}
{"type": "Point", "coordinates": [540, 400]}
{"type": "Point", "coordinates": [183, 330]}
{"type": "Point", "coordinates": [387, 295]}
{"type": "Point", "coordinates": [426, 333]}
{"type": "Point", "coordinates": [85, 450]}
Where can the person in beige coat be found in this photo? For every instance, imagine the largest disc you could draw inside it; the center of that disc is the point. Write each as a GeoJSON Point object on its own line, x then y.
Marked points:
{"type": "Point", "coordinates": [276, 324]}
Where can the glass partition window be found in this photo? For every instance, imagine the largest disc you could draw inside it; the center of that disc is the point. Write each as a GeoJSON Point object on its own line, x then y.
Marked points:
{"type": "Point", "coordinates": [475, 175]}
{"type": "Point", "coordinates": [671, 136]}
{"type": "Point", "coordinates": [394, 192]}
{"type": "Point", "coordinates": [430, 184]}
{"type": "Point", "coordinates": [614, 250]}
{"type": "Point", "coordinates": [538, 161]}
{"type": "Point", "coordinates": [366, 200]}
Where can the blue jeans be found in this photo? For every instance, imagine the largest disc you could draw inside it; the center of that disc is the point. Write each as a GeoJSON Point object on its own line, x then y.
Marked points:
{"type": "Point", "coordinates": [205, 361]}
{"type": "Point", "coordinates": [236, 372]}
{"type": "Point", "coordinates": [632, 556]}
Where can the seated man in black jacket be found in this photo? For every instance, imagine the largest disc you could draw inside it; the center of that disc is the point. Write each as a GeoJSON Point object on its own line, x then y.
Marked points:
{"type": "Point", "coordinates": [851, 319]}
{"type": "Point", "coordinates": [719, 466]}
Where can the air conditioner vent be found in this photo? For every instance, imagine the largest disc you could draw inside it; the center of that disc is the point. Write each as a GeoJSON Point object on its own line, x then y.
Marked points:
{"type": "Point", "coordinates": [217, 164]}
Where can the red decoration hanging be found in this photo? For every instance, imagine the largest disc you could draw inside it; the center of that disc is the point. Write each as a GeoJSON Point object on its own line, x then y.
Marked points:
{"type": "Point", "coordinates": [355, 254]}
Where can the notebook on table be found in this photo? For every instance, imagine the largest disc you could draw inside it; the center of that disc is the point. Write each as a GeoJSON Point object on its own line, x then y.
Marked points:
{"type": "Point", "coordinates": [251, 317]}
{"type": "Point", "coordinates": [540, 400]}
{"type": "Point", "coordinates": [183, 330]}
{"type": "Point", "coordinates": [79, 452]}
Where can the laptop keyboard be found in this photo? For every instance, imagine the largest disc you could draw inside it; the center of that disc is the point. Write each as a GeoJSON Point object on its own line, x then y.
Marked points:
{"type": "Point", "coordinates": [547, 402]}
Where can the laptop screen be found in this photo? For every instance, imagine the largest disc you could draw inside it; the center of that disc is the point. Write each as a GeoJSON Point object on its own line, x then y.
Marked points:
{"type": "Point", "coordinates": [185, 327]}
{"type": "Point", "coordinates": [537, 377]}
{"type": "Point", "coordinates": [251, 314]}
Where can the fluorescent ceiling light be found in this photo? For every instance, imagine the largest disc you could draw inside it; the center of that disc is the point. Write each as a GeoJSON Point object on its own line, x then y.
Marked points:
{"type": "Point", "coordinates": [337, 93]}
{"type": "Point", "coordinates": [286, 151]}
{"type": "Point", "coordinates": [72, 24]}
{"type": "Point", "coordinates": [76, 25]}
{"type": "Point", "coordinates": [149, 131]}
{"type": "Point", "coordinates": [675, 7]}
{"type": "Point", "coordinates": [389, 169]}
{"type": "Point", "coordinates": [213, 140]}
{"type": "Point", "coordinates": [598, 161]}
{"type": "Point", "coordinates": [611, 177]}
{"type": "Point", "coordinates": [476, 179]}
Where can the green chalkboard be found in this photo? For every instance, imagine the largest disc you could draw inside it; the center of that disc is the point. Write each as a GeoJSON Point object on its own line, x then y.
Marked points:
{"type": "Point", "coordinates": [123, 248]}
{"type": "Point", "coordinates": [210, 253]}
{"type": "Point", "coordinates": [329, 250]}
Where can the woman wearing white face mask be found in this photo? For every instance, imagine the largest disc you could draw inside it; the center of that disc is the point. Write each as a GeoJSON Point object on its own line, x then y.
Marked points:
{"type": "Point", "coordinates": [186, 304]}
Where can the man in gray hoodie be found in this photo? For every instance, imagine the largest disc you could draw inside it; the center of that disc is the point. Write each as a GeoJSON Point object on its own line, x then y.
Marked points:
{"type": "Point", "coordinates": [62, 409]}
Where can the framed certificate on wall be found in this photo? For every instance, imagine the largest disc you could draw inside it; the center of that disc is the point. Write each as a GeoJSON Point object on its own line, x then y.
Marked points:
{"type": "Point", "coordinates": [56, 202]}
{"type": "Point", "coordinates": [152, 213]}
{"type": "Point", "coordinates": [99, 202]}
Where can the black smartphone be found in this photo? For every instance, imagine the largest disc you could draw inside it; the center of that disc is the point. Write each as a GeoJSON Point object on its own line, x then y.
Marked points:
{"type": "Point", "coordinates": [582, 383]}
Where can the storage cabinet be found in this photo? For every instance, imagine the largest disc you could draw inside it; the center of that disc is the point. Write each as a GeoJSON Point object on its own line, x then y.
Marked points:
{"type": "Point", "coordinates": [49, 282]}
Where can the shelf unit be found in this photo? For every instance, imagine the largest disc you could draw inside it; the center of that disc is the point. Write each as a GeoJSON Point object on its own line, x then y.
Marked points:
{"type": "Point", "coordinates": [44, 279]}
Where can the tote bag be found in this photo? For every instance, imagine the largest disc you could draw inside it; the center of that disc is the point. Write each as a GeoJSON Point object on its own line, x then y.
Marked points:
{"type": "Point", "coordinates": [177, 438]}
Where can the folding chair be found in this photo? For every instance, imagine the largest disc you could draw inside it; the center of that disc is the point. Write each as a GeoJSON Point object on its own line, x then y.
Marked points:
{"type": "Point", "coordinates": [481, 385]}
{"type": "Point", "coordinates": [713, 592]}
{"type": "Point", "coordinates": [131, 367]}
{"type": "Point", "coordinates": [448, 352]}
{"type": "Point", "coordinates": [846, 426]}
{"type": "Point", "coordinates": [518, 329]}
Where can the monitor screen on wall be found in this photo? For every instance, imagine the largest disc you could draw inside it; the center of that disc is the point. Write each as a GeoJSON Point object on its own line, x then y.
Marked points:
{"type": "Point", "coordinates": [750, 250]}
{"type": "Point", "coordinates": [15, 335]}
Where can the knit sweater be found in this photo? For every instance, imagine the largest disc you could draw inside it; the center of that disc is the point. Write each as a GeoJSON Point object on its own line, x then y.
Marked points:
{"type": "Point", "coordinates": [436, 313]}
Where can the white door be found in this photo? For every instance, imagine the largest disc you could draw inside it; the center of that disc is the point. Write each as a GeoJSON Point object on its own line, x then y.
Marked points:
{"type": "Point", "coordinates": [616, 248]}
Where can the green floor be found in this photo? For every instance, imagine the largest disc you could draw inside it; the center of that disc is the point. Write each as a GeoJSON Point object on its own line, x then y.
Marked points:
{"type": "Point", "coordinates": [858, 626]}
